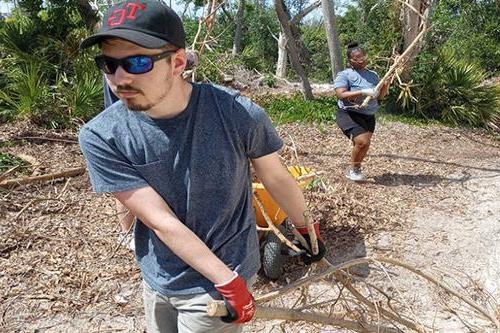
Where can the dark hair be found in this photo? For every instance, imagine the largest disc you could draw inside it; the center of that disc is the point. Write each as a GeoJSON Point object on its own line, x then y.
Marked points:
{"type": "Point", "coordinates": [351, 47]}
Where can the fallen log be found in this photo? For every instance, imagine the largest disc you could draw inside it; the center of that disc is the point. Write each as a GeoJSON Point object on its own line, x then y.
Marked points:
{"type": "Point", "coordinates": [9, 183]}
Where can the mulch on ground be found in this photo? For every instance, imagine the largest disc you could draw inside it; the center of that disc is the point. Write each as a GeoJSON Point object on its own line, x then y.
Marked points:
{"type": "Point", "coordinates": [58, 240]}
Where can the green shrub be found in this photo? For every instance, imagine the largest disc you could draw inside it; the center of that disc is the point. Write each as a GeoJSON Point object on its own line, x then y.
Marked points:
{"type": "Point", "coordinates": [81, 99]}
{"type": "Point", "coordinates": [314, 37]}
{"type": "Point", "coordinates": [18, 35]}
{"type": "Point", "coordinates": [287, 109]}
{"type": "Point", "coordinates": [470, 28]}
{"type": "Point", "coordinates": [449, 88]}
{"type": "Point", "coordinates": [26, 92]}
{"type": "Point", "coordinates": [46, 78]}
{"type": "Point", "coordinates": [269, 81]}
{"type": "Point", "coordinates": [214, 65]}
{"type": "Point", "coordinates": [258, 29]}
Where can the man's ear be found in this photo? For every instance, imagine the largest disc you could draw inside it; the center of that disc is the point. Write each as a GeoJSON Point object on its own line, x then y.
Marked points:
{"type": "Point", "coordinates": [179, 62]}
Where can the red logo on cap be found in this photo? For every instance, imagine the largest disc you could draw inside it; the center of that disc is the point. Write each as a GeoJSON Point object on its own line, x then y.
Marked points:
{"type": "Point", "coordinates": [119, 15]}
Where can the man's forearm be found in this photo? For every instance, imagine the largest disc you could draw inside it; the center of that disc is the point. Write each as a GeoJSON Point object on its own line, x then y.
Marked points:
{"type": "Point", "coordinates": [187, 246]}
{"type": "Point", "coordinates": [153, 211]}
{"type": "Point", "coordinates": [289, 197]}
{"type": "Point", "coordinates": [282, 187]}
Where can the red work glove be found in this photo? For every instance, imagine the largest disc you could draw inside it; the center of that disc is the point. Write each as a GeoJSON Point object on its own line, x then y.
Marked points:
{"type": "Point", "coordinates": [308, 258]}
{"type": "Point", "coordinates": [239, 302]}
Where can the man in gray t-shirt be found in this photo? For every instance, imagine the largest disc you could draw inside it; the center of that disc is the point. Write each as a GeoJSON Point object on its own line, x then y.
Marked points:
{"type": "Point", "coordinates": [177, 155]}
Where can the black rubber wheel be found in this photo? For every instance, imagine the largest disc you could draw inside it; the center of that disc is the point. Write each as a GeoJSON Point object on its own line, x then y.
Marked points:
{"type": "Point", "coordinates": [272, 257]}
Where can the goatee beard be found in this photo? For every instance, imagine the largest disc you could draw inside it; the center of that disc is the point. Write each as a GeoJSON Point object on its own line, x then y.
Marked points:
{"type": "Point", "coordinates": [149, 105]}
{"type": "Point", "coordinates": [139, 107]}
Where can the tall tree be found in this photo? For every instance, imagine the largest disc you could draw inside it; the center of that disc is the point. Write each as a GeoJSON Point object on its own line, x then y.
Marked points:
{"type": "Point", "coordinates": [281, 64]}
{"type": "Point", "coordinates": [415, 13]}
{"type": "Point", "coordinates": [332, 36]}
{"type": "Point", "coordinates": [292, 47]}
{"type": "Point", "coordinates": [295, 27]}
{"type": "Point", "coordinates": [238, 27]}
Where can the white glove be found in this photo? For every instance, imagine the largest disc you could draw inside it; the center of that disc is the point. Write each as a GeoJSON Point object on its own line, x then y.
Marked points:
{"type": "Point", "coordinates": [370, 92]}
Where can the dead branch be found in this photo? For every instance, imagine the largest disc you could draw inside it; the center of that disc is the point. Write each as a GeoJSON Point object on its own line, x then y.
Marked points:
{"type": "Point", "coordinates": [308, 280]}
{"type": "Point", "coordinates": [398, 62]}
{"type": "Point", "coordinates": [272, 227]}
{"type": "Point", "coordinates": [403, 58]}
{"type": "Point", "coordinates": [24, 208]}
{"type": "Point", "coordinates": [218, 309]}
{"type": "Point", "coordinates": [310, 175]}
{"type": "Point", "coordinates": [336, 270]}
{"type": "Point", "coordinates": [63, 189]}
{"type": "Point", "coordinates": [312, 234]}
{"type": "Point", "coordinates": [343, 278]}
{"type": "Point", "coordinates": [33, 201]}
{"type": "Point", "coordinates": [413, 9]}
{"type": "Point", "coordinates": [294, 149]}
{"type": "Point", "coordinates": [41, 138]}
{"type": "Point", "coordinates": [10, 183]}
{"type": "Point", "coordinates": [209, 21]}
{"type": "Point", "coordinates": [297, 18]}
{"type": "Point", "coordinates": [8, 172]}
{"type": "Point", "coordinates": [433, 280]}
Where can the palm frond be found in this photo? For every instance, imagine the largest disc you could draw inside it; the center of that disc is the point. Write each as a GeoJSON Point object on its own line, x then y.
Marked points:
{"type": "Point", "coordinates": [18, 36]}
{"type": "Point", "coordinates": [26, 91]}
{"type": "Point", "coordinates": [451, 89]}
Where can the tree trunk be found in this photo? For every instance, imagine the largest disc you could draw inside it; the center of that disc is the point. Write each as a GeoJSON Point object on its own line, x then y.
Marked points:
{"type": "Point", "coordinates": [411, 27]}
{"type": "Point", "coordinates": [238, 22]}
{"type": "Point", "coordinates": [293, 50]}
{"type": "Point", "coordinates": [303, 53]}
{"type": "Point", "coordinates": [281, 65]}
{"type": "Point", "coordinates": [89, 15]}
{"type": "Point", "coordinates": [332, 36]}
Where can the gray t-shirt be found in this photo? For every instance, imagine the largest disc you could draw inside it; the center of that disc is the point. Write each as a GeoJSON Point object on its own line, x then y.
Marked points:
{"type": "Point", "coordinates": [355, 80]}
{"type": "Point", "coordinates": [198, 162]}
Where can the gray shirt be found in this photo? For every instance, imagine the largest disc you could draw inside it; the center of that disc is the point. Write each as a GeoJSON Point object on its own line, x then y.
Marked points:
{"type": "Point", "coordinates": [355, 80]}
{"type": "Point", "coordinates": [198, 162]}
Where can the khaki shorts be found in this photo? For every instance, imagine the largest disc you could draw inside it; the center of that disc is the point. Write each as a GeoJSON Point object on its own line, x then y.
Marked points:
{"type": "Point", "coordinates": [184, 313]}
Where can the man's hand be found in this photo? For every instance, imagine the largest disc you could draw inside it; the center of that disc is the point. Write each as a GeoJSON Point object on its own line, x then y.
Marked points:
{"type": "Point", "coordinates": [308, 258]}
{"type": "Point", "coordinates": [239, 302]}
{"type": "Point", "coordinates": [370, 92]}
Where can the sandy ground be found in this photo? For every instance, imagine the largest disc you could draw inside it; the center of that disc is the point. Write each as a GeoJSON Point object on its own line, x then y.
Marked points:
{"type": "Point", "coordinates": [431, 198]}
{"type": "Point", "coordinates": [462, 242]}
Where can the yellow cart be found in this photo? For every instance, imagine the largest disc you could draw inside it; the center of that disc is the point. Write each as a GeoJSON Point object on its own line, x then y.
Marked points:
{"type": "Point", "coordinates": [273, 250]}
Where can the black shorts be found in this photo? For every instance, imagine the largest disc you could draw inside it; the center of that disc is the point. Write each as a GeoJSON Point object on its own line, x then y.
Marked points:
{"type": "Point", "coordinates": [354, 123]}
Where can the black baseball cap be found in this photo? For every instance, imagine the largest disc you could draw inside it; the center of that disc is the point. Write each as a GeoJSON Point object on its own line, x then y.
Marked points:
{"type": "Point", "coordinates": [147, 23]}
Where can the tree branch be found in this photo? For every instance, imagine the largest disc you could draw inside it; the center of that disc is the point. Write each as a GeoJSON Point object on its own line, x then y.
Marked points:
{"type": "Point", "coordinates": [9, 183]}
{"type": "Point", "coordinates": [297, 18]}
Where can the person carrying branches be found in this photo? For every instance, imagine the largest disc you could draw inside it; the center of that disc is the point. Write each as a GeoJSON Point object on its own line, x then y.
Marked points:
{"type": "Point", "coordinates": [177, 154]}
{"type": "Point", "coordinates": [351, 86]}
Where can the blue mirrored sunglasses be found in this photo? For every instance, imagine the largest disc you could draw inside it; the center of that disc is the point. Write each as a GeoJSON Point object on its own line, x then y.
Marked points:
{"type": "Point", "coordinates": [137, 64]}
